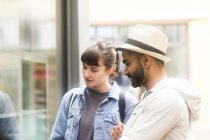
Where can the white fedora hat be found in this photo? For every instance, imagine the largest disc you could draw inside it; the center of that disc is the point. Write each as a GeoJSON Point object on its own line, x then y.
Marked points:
{"type": "Point", "coordinates": [148, 40]}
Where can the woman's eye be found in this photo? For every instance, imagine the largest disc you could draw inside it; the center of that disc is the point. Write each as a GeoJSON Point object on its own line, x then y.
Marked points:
{"type": "Point", "coordinates": [94, 70]}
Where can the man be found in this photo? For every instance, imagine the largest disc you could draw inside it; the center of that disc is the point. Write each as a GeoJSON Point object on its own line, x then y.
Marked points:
{"type": "Point", "coordinates": [169, 105]}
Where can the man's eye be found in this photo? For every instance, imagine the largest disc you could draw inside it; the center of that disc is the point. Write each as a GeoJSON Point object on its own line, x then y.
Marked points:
{"type": "Point", "coordinates": [127, 64]}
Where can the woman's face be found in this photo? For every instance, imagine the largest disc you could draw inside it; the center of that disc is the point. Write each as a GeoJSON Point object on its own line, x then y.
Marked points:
{"type": "Point", "coordinates": [95, 76]}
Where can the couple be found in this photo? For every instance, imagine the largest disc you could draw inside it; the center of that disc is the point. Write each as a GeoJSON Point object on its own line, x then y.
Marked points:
{"type": "Point", "coordinates": [164, 112]}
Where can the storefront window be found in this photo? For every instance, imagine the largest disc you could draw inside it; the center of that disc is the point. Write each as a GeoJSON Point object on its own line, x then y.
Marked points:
{"type": "Point", "coordinates": [28, 64]}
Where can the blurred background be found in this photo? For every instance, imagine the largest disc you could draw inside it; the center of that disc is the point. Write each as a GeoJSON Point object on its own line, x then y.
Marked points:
{"type": "Point", "coordinates": [41, 42]}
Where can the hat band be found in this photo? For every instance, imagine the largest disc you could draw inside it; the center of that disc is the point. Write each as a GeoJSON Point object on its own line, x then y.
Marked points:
{"type": "Point", "coordinates": [143, 46]}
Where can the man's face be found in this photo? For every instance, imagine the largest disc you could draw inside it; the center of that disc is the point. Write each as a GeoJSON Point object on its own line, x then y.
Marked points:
{"type": "Point", "coordinates": [133, 68]}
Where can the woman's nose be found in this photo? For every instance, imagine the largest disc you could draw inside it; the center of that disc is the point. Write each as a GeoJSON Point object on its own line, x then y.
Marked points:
{"type": "Point", "coordinates": [86, 73]}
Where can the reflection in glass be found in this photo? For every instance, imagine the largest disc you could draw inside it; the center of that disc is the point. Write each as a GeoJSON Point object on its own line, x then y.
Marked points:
{"type": "Point", "coordinates": [28, 64]}
{"type": "Point", "coordinates": [9, 129]}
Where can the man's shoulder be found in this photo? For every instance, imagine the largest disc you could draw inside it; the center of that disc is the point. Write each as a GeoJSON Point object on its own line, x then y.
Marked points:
{"type": "Point", "coordinates": [168, 97]}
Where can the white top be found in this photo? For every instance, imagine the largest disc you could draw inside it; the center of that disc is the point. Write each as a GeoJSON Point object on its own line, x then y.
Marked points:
{"type": "Point", "coordinates": [163, 113]}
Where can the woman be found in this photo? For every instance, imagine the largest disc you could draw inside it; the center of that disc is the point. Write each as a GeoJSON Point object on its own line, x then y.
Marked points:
{"type": "Point", "coordinates": [90, 112]}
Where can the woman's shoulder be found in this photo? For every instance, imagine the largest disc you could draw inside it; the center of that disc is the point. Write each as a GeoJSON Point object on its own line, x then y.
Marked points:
{"type": "Point", "coordinates": [131, 97]}
{"type": "Point", "coordinates": [74, 91]}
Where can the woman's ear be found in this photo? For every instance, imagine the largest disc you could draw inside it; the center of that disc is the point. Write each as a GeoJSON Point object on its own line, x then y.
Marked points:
{"type": "Point", "coordinates": [110, 70]}
{"type": "Point", "coordinates": [114, 67]}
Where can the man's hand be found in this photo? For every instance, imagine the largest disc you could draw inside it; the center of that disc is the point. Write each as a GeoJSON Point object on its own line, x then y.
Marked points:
{"type": "Point", "coordinates": [117, 131]}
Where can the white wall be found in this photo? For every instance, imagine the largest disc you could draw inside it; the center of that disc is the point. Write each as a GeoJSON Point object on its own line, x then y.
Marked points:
{"type": "Point", "coordinates": [119, 11]}
{"type": "Point", "coordinates": [199, 44]}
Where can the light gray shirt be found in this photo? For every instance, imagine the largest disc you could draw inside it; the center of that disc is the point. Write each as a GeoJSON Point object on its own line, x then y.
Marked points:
{"type": "Point", "coordinates": [163, 113]}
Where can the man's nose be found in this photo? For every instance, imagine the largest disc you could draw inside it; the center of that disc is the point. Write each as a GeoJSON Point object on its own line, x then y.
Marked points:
{"type": "Point", "coordinates": [125, 71]}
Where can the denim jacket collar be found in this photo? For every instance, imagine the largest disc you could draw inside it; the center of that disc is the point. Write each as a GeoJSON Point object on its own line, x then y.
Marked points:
{"type": "Point", "coordinates": [114, 92]}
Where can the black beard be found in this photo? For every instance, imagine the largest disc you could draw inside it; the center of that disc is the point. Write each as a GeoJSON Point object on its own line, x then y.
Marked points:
{"type": "Point", "coordinates": [137, 77]}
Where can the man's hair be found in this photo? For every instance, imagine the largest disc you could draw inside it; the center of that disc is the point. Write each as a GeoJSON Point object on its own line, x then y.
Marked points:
{"type": "Point", "coordinates": [138, 55]}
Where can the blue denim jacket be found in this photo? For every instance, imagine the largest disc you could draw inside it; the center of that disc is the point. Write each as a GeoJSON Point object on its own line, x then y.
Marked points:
{"type": "Point", "coordinates": [66, 125]}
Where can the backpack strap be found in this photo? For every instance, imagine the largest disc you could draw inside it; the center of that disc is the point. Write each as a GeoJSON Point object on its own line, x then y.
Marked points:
{"type": "Point", "coordinates": [121, 104]}
{"type": "Point", "coordinates": [72, 99]}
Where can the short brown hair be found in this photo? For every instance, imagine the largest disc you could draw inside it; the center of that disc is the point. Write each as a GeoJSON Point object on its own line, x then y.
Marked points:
{"type": "Point", "coordinates": [102, 50]}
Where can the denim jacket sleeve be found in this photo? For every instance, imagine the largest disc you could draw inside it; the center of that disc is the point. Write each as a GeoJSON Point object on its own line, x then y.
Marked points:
{"type": "Point", "coordinates": [59, 128]}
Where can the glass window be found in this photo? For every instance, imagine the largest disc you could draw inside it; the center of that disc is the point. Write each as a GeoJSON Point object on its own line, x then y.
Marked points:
{"type": "Point", "coordinates": [28, 64]}
{"type": "Point", "coordinates": [9, 33]}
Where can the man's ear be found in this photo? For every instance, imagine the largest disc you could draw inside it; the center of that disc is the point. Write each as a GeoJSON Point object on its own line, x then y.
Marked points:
{"type": "Point", "coordinates": [146, 60]}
